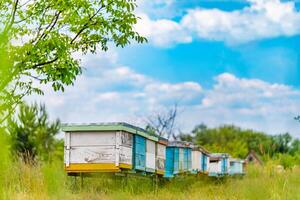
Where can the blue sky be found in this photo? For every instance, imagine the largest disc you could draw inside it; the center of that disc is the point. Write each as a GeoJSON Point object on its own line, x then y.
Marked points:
{"type": "Point", "coordinates": [225, 62]}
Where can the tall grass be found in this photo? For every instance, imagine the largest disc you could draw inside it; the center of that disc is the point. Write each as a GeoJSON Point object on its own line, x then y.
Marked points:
{"type": "Point", "coordinates": [49, 181]}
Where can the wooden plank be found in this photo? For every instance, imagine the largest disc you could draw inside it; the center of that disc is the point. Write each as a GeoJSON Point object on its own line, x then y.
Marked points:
{"type": "Point", "coordinates": [117, 148]}
{"type": "Point", "coordinates": [92, 167]}
{"type": "Point", "coordinates": [67, 152]}
{"type": "Point", "coordinates": [139, 153]}
{"type": "Point", "coordinates": [181, 160]}
{"type": "Point", "coordinates": [94, 154]}
{"type": "Point", "coordinates": [214, 167]}
{"type": "Point", "coordinates": [150, 155]}
{"type": "Point", "coordinates": [125, 155]}
{"type": "Point", "coordinates": [92, 139]}
{"type": "Point", "coordinates": [160, 157]}
{"type": "Point", "coordinates": [170, 162]}
{"type": "Point", "coordinates": [196, 162]}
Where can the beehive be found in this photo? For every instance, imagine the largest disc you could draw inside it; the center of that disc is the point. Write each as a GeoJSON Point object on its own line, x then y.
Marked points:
{"type": "Point", "coordinates": [110, 147]}
{"type": "Point", "coordinates": [178, 158]}
{"type": "Point", "coordinates": [161, 155]}
{"type": "Point", "coordinates": [204, 162]}
{"type": "Point", "coordinates": [236, 166]}
{"type": "Point", "coordinates": [199, 159]}
{"type": "Point", "coordinates": [218, 164]}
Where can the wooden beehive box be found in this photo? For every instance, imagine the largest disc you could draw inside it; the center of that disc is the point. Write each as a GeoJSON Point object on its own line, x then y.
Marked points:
{"type": "Point", "coordinates": [178, 158]}
{"type": "Point", "coordinates": [218, 164]}
{"type": "Point", "coordinates": [236, 166]}
{"type": "Point", "coordinates": [106, 147]}
{"type": "Point", "coordinates": [199, 159]}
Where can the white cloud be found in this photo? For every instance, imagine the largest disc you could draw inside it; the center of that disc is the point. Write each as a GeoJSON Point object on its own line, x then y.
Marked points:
{"type": "Point", "coordinates": [261, 19]}
{"type": "Point", "coordinates": [162, 32]}
{"type": "Point", "coordinates": [121, 94]}
{"type": "Point", "coordinates": [114, 94]}
{"type": "Point", "coordinates": [177, 92]}
{"type": "Point", "coordinates": [249, 103]}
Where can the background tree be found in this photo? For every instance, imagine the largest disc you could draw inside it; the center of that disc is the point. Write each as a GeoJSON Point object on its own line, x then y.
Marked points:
{"type": "Point", "coordinates": [282, 142]}
{"type": "Point", "coordinates": [239, 142]}
{"type": "Point", "coordinates": [32, 134]}
{"type": "Point", "coordinates": [295, 147]}
{"type": "Point", "coordinates": [163, 123]}
{"type": "Point", "coordinates": [43, 35]}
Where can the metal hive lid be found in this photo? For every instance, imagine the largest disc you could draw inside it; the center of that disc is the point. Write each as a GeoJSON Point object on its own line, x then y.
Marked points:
{"type": "Point", "coordinates": [180, 144]}
{"type": "Point", "coordinates": [219, 155]}
{"type": "Point", "coordinates": [111, 126]}
{"type": "Point", "coordinates": [201, 149]}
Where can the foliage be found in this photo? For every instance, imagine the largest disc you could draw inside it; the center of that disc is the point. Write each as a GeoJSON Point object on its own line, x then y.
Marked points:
{"type": "Point", "coordinates": [287, 161]}
{"type": "Point", "coordinates": [32, 135]}
{"type": "Point", "coordinates": [282, 142]}
{"type": "Point", "coordinates": [5, 162]}
{"type": "Point", "coordinates": [44, 35]}
{"type": "Point", "coordinates": [50, 182]}
{"type": "Point", "coordinates": [238, 142]}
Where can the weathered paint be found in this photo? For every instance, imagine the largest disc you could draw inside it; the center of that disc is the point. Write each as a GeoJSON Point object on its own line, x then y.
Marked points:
{"type": "Point", "coordinates": [109, 151]}
{"type": "Point", "coordinates": [150, 156]}
{"type": "Point", "coordinates": [139, 153]}
{"type": "Point", "coordinates": [160, 158]}
{"type": "Point", "coordinates": [125, 153]}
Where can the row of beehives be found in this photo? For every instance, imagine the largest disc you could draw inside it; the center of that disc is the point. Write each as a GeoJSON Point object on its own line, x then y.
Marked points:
{"type": "Point", "coordinates": [120, 147]}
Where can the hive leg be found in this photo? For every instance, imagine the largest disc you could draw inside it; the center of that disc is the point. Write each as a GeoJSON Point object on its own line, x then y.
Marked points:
{"type": "Point", "coordinates": [81, 181]}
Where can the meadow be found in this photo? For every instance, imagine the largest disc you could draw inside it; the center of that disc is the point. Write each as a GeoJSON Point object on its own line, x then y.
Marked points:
{"type": "Point", "coordinates": [49, 181]}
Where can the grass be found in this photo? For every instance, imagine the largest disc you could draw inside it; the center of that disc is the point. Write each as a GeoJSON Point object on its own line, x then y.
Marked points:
{"type": "Point", "coordinates": [49, 181]}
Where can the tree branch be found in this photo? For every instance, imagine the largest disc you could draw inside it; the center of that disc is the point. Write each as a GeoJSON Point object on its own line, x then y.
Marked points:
{"type": "Point", "coordinates": [16, 22]}
{"type": "Point", "coordinates": [12, 18]}
{"type": "Point", "coordinates": [50, 26]}
{"type": "Point", "coordinates": [85, 26]}
{"type": "Point", "coordinates": [25, 3]}
{"type": "Point", "coordinates": [44, 63]}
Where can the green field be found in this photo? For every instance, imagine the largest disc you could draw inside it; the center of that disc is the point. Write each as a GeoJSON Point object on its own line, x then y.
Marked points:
{"type": "Point", "coordinates": [50, 182]}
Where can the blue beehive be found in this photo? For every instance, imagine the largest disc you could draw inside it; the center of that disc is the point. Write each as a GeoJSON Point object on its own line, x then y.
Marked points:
{"type": "Point", "coordinates": [236, 167]}
{"type": "Point", "coordinates": [224, 165]}
{"type": "Point", "coordinates": [169, 170]}
{"type": "Point", "coordinates": [178, 158]}
{"type": "Point", "coordinates": [185, 159]}
{"type": "Point", "coordinates": [218, 164]}
{"type": "Point", "coordinates": [199, 159]}
{"type": "Point", "coordinates": [172, 162]}
{"type": "Point", "coordinates": [139, 153]}
{"type": "Point", "coordinates": [204, 163]}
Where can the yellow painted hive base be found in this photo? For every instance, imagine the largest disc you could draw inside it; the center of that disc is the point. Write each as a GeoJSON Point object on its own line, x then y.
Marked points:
{"type": "Point", "coordinates": [95, 167]}
{"type": "Point", "coordinates": [160, 172]}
